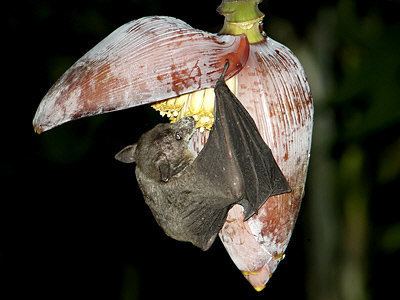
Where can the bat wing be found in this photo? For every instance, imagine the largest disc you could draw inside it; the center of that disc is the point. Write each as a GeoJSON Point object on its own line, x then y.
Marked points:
{"type": "Point", "coordinates": [190, 214]}
{"type": "Point", "coordinates": [237, 158]}
{"type": "Point", "coordinates": [200, 233]}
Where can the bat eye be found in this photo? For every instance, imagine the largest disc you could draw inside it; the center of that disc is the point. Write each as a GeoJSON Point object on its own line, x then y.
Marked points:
{"type": "Point", "coordinates": [178, 136]}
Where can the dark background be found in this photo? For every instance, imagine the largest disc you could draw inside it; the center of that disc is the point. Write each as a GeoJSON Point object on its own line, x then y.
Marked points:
{"type": "Point", "coordinates": [74, 224]}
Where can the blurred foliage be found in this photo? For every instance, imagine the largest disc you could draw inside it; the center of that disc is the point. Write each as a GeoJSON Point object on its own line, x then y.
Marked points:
{"type": "Point", "coordinates": [367, 93]}
{"type": "Point", "coordinates": [391, 238]}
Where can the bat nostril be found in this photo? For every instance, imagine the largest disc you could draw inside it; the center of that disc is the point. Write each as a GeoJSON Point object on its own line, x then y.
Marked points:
{"type": "Point", "coordinates": [188, 122]}
{"type": "Point", "coordinates": [191, 121]}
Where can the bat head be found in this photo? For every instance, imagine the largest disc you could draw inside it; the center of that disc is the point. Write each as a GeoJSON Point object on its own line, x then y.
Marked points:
{"type": "Point", "coordinates": [162, 152]}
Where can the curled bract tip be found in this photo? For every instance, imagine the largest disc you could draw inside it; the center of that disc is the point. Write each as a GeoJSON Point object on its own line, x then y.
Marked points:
{"type": "Point", "coordinates": [259, 288]}
{"type": "Point", "coordinates": [38, 129]}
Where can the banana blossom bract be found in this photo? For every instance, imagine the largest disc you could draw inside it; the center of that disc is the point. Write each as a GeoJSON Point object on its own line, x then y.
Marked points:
{"type": "Point", "coordinates": [166, 62]}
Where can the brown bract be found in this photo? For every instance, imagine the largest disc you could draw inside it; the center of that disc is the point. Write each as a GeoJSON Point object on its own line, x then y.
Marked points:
{"type": "Point", "coordinates": [157, 58]}
{"type": "Point", "coordinates": [274, 89]}
{"type": "Point", "coordinates": [144, 61]}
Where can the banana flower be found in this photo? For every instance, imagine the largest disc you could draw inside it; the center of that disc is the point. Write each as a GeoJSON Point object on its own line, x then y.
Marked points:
{"type": "Point", "coordinates": [165, 62]}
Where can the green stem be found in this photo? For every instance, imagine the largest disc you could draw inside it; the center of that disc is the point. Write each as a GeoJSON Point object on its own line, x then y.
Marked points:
{"type": "Point", "coordinates": [242, 17]}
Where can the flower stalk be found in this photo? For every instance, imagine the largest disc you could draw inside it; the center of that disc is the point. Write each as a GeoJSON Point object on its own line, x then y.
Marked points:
{"type": "Point", "coordinates": [243, 17]}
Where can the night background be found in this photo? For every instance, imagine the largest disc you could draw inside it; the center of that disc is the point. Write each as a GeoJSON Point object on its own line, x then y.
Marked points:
{"type": "Point", "coordinates": [73, 221]}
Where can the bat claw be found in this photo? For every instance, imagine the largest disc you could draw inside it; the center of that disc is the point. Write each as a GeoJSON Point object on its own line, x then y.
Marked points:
{"type": "Point", "coordinates": [226, 67]}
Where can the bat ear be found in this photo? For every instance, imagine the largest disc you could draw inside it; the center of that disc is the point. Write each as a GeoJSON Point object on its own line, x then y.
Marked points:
{"type": "Point", "coordinates": [127, 155]}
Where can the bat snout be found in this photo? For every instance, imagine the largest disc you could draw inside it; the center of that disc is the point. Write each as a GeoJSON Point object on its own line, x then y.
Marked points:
{"type": "Point", "coordinates": [187, 122]}
{"type": "Point", "coordinates": [186, 127]}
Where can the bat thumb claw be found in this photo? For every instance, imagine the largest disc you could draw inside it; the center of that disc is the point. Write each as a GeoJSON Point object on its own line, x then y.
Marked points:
{"type": "Point", "coordinates": [226, 67]}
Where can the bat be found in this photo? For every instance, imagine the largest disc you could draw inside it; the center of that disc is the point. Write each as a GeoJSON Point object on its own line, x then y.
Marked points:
{"type": "Point", "coordinates": [190, 196]}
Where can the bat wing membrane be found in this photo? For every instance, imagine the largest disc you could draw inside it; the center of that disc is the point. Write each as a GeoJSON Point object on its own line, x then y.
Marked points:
{"type": "Point", "coordinates": [247, 166]}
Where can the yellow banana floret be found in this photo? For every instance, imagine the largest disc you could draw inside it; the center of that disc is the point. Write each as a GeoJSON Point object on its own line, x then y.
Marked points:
{"type": "Point", "coordinates": [199, 105]}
